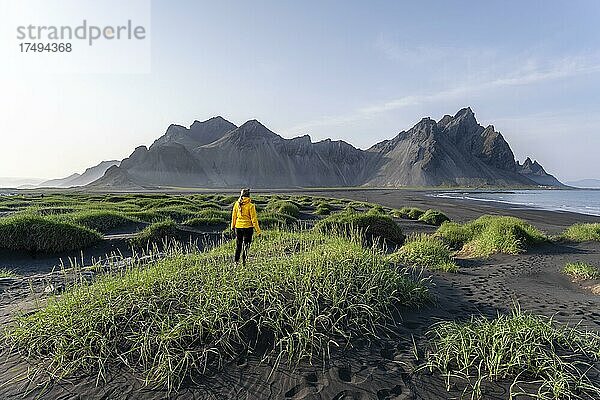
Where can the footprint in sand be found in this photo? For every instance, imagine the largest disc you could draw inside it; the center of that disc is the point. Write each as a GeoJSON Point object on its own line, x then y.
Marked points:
{"type": "Point", "coordinates": [389, 394]}
{"type": "Point", "coordinates": [345, 374]}
{"type": "Point", "coordinates": [351, 395]}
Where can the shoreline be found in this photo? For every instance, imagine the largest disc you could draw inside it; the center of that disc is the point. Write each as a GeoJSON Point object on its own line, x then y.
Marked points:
{"type": "Point", "coordinates": [462, 210]}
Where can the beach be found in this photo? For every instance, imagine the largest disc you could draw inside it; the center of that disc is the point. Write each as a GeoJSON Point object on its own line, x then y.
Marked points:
{"type": "Point", "coordinates": [389, 368]}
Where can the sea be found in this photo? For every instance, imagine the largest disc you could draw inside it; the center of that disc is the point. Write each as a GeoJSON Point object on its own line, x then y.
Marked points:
{"type": "Point", "coordinates": [583, 201]}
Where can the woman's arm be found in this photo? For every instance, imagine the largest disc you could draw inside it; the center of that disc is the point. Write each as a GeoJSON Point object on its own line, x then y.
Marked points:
{"type": "Point", "coordinates": [234, 215]}
{"type": "Point", "coordinates": [254, 219]}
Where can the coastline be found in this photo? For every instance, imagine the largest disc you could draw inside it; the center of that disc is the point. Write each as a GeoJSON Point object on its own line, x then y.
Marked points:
{"type": "Point", "coordinates": [462, 210]}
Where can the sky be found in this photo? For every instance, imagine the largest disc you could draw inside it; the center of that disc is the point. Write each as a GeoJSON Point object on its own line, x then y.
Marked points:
{"type": "Point", "coordinates": [360, 71]}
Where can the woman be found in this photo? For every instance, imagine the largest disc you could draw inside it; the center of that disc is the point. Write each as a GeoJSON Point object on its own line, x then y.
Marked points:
{"type": "Point", "coordinates": [243, 223]}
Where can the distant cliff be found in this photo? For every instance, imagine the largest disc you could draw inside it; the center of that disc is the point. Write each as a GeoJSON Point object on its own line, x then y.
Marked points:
{"type": "Point", "coordinates": [454, 151]}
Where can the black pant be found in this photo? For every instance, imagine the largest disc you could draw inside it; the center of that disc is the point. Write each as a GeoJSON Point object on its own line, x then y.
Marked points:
{"type": "Point", "coordinates": [243, 238]}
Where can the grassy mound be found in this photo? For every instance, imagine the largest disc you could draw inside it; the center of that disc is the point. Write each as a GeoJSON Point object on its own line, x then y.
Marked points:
{"type": "Point", "coordinates": [185, 313]}
{"type": "Point", "coordinates": [43, 234]}
{"type": "Point", "coordinates": [323, 209]}
{"type": "Point", "coordinates": [209, 205]}
{"type": "Point", "coordinates": [284, 207]}
{"type": "Point", "coordinates": [582, 232]}
{"type": "Point", "coordinates": [454, 234]}
{"type": "Point", "coordinates": [581, 271]}
{"type": "Point", "coordinates": [433, 217]}
{"type": "Point", "coordinates": [101, 221]}
{"type": "Point", "coordinates": [409, 213]}
{"type": "Point", "coordinates": [268, 220]}
{"type": "Point", "coordinates": [226, 200]}
{"type": "Point", "coordinates": [147, 216]}
{"type": "Point", "coordinates": [208, 217]}
{"type": "Point", "coordinates": [426, 251]}
{"type": "Point", "coordinates": [156, 233]}
{"type": "Point", "coordinates": [372, 225]}
{"type": "Point", "coordinates": [489, 234]}
{"type": "Point", "coordinates": [176, 213]}
{"type": "Point", "coordinates": [520, 347]}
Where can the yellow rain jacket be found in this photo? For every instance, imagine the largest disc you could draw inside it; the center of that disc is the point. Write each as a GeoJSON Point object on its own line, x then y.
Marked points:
{"type": "Point", "coordinates": [246, 218]}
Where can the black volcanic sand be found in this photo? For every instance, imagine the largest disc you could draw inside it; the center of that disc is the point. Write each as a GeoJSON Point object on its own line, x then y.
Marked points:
{"type": "Point", "coordinates": [382, 370]}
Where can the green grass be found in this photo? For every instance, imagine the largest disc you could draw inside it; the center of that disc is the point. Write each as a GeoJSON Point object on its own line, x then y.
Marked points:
{"type": "Point", "coordinates": [372, 225]}
{"type": "Point", "coordinates": [489, 234]}
{"type": "Point", "coordinates": [454, 234]}
{"type": "Point", "coordinates": [426, 251]}
{"type": "Point", "coordinates": [227, 200]}
{"type": "Point", "coordinates": [581, 271]}
{"type": "Point", "coordinates": [30, 232]}
{"type": "Point", "coordinates": [582, 232]}
{"type": "Point", "coordinates": [434, 217]}
{"type": "Point", "coordinates": [518, 348]}
{"type": "Point", "coordinates": [409, 213]}
{"type": "Point", "coordinates": [300, 294]}
{"type": "Point", "coordinates": [176, 213]}
{"type": "Point", "coordinates": [209, 205]}
{"type": "Point", "coordinates": [323, 208]}
{"type": "Point", "coordinates": [211, 213]}
{"type": "Point", "coordinates": [204, 221]}
{"type": "Point", "coordinates": [7, 273]}
{"type": "Point", "coordinates": [268, 220]}
{"type": "Point", "coordinates": [284, 207]}
{"type": "Point", "coordinates": [209, 217]}
{"type": "Point", "coordinates": [157, 233]}
{"type": "Point", "coordinates": [147, 216]}
{"type": "Point", "coordinates": [101, 221]}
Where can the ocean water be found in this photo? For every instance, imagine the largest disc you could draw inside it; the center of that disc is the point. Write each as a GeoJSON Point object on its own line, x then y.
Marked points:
{"type": "Point", "coordinates": [581, 201]}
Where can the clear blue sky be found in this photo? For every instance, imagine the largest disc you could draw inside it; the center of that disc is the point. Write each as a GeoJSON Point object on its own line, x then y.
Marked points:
{"type": "Point", "coordinates": [360, 71]}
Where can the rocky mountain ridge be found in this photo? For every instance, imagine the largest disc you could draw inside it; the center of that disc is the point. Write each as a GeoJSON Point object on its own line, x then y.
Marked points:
{"type": "Point", "coordinates": [454, 151]}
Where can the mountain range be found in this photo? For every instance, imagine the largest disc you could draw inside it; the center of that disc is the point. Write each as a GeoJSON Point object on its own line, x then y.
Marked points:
{"type": "Point", "coordinates": [454, 151]}
{"type": "Point", "coordinates": [88, 176]}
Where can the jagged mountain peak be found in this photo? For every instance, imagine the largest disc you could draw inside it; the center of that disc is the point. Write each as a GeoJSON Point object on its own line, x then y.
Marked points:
{"type": "Point", "coordinates": [253, 128]}
{"type": "Point", "coordinates": [217, 122]}
{"type": "Point", "coordinates": [198, 134]}
{"type": "Point", "coordinates": [534, 171]}
{"type": "Point", "coordinates": [216, 119]}
{"type": "Point", "coordinates": [465, 112]}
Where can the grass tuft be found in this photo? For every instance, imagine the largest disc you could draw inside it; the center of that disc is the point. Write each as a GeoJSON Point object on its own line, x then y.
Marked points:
{"type": "Point", "coordinates": [433, 217]}
{"type": "Point", "coordinates": [489, 234]}
{"type": "Point", "coordinates": [581, 271]}
{"type": "Point", "coordinates": [323, 209]}
{"type": "Point", "coordinates": [454, 234]}
{"type": "Point", "coordinates": [29, 232]}
{"type": "Point", "coordinates": [409, 213]}
{"type": "Point", "coordinates": [284, 207]}
{"type": "Point", "coordinates": [99, 220]}
{"type": "Point", "coordinates": [7, 273]}
{"type": "Point", "coordinates": [426, 251]}
{"type": "Point", "coordinates": [519, 347]}
{"type": "Point", "coordinates": [372, 224]}
{"type": "Point", "coordinates": [582, 232]}
{"type": "Point", "coordinates": [156, 233]}
{"type": "Point", "coordinates": [208, 217]}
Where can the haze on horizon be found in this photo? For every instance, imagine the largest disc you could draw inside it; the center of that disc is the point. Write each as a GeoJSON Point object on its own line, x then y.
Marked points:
{"type": "Point", "coordinates": [356, 71]}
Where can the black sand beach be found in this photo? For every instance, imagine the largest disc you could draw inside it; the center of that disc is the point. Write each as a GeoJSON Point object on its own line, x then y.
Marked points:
{"type": "Point", "coordinates": [382, 370]}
